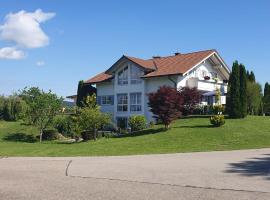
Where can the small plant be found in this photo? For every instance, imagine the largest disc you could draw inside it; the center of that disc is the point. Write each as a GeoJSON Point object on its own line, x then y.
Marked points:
{"type": "Point", "coordinates": [217, 120]}
{"type": "Point", "coordinates": [137, 122]}
{"type": "Point", "coordinates": [218, 109]}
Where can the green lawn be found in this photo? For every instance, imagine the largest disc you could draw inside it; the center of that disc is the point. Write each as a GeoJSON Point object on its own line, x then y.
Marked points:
{"type": "Point", "coordinates": [186, 135]}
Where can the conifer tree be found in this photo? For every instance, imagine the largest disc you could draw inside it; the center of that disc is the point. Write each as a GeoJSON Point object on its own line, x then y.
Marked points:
{"type": "Point", "coordinates": [266, 98]}
{"type": "Point", "coordinates": [243, 90]}
{"type": "Point", "coordinates": [234, 105]}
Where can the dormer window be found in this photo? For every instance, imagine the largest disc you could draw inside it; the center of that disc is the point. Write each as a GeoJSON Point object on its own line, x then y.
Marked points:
{"type": "Point", "coordinates": [123, 76]}
{"type": "Point", "coordinates": [135, 75]}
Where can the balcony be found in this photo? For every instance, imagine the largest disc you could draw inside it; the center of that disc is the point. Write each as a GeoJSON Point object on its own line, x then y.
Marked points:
{"type": "Point", "coordinates": [207, 85]}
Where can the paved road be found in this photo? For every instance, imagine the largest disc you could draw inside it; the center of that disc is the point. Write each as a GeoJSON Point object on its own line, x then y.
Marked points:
{"type": "Point", "coordinates": [208, 175]}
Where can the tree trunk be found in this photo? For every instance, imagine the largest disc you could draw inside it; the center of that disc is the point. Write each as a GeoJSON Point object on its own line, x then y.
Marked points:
{"type": "Point", "coordinates": [40, 135]}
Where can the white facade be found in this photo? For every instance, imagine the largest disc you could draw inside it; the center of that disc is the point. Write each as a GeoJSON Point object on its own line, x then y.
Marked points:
{"type": "Point", "coordinates": [129, 93]}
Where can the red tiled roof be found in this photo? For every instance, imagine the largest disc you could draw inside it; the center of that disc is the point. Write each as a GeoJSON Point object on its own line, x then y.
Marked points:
{"type": "Point", "coordinates": [148, 64]}
{"type": "Point", "coordinates": [178, 64]}
{"type": "Point", "coordinates": [99, 78]}
{"type": "Point", "coordinates": [162, 66]}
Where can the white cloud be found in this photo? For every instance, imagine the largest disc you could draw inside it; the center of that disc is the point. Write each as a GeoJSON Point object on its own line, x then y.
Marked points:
{"type": "Point", "coordinates": [40, 63]}
{"type": "Point", "coordinates": [11, 53]}
{"type": "Point", "coordinates": [24, 29]}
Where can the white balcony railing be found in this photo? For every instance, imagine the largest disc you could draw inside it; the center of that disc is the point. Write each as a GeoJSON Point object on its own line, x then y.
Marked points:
{"type": "Point", "coordinates": [207, 85]}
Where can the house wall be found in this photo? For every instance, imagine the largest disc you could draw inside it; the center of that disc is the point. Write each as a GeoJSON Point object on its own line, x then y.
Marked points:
{"type": "Point", "coordinates": [106, 88]}
{"type": "Point", "coordinates": [152, 85]}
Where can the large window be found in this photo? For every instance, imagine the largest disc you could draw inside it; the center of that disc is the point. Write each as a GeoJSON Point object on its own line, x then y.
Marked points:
{"type": "Point", "coordinates": [135, 102]}
{"type": "Point", "coordinates": [122, 102]}
{"type": "Point", "coordinates": [123, 76]}
{"type": "Point", "coordinates": [135, 75]}
{"type": "Point", "coordinates": [107, 100]}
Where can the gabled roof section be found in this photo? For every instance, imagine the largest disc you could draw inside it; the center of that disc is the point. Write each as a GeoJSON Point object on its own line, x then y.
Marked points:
{"type": "Point", "coordinates": [178, 64]}
{"type": "Point", "coordinates": [99, 78]}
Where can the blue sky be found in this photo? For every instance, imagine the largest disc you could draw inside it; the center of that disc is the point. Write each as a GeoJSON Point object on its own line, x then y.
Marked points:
{"type": "Point", "coordinates": [86, 37]}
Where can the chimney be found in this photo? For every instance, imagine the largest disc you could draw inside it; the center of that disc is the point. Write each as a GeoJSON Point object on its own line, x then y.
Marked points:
{"type": "Point", "coordinates": [177, 53]}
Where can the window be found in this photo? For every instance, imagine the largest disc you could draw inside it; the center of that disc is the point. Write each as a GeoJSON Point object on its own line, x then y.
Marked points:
{"type": "Point", "coordinates": [135, 75]}
{"type": "Point", "coordinates": [107, 100]}
{"type": "Point", "coordinates": [135, 102]}
{"type": "Point", "coordinates": [122, 102]}
{"type": "Point", "coordinates": [123, 76]}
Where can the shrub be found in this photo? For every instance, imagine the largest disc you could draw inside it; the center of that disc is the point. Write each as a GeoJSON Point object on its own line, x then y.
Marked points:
{"type": "Point", "coordinates": [50, 134]}
{"type": "Point", "coordinates": [63, 124]}
{"type": "Point", "coordinates": [217, 120]}
{"type": "Point", "coordinates": [218, 109]}
{"type": "Point", "coordinates": [137, 122]}
{"type": "Point", "coordinates": [87, 135]}
{"type": "Point", "coordinates": [109, 127]}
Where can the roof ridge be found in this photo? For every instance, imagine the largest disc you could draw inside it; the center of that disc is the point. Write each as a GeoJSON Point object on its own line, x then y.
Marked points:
{"type": "Point", "coordinates": [172, 55]}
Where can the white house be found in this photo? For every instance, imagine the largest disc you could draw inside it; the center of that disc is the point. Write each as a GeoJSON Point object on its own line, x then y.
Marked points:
{"type": "Point", "coordinates": [122, 89]}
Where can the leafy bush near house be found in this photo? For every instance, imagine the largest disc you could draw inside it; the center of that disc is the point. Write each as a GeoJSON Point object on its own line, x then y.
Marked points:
{"type": "Point", "coordinates": [217, 120]}
{"type": "Point", "coordinates": [50, 134]}
{"type": "Point", "coordinates": [137, 122]}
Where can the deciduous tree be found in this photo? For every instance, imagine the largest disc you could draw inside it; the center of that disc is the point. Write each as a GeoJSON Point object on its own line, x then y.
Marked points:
{"type": "Point", "coordinates": [166, 104]}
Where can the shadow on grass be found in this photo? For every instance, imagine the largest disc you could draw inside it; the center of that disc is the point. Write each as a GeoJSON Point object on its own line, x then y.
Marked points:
{"type": "Point", "coordinates": [143, 132]}
{"type": "Point", "coordinates": [20, 137]}
{"type": "Point", "coordinates": [195, 126]}
{"type": "Point", "coordinates": [252, 167]}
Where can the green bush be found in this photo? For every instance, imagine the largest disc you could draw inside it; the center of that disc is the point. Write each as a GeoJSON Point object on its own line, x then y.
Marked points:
{"type": "Point", "coordinates": [63, 124]}
{"type": "Point", "coordinates": [217, 120]}
{"type": "Point", "coordinates": [218, 109]}
{"type": "Point", "coordinates": [137, 122]}
{"type": "Point", "coordinates": [50, 134]}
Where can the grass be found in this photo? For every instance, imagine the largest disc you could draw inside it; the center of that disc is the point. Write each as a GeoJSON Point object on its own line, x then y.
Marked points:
{"type": "Point", "coordinates": [185, 135]}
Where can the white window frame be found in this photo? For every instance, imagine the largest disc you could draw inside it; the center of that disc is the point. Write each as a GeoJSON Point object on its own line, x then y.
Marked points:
{"type": "Point", "coordinates": [135, 102]}
{"type": "Point", "coordinates": [107, 100]}
{"type": "Point", "coordinates": [122, 102]}
{"type": "Point", "coordinates": [135, 75]}
{"type": "Point", "coordinates": [123, 76]}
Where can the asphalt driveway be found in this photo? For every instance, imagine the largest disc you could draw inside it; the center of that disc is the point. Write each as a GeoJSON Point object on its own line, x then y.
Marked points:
{"type": "Point", "coordinates": [207, 175]}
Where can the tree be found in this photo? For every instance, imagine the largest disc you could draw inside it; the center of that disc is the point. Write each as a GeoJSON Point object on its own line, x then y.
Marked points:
{"type": "Point", "coordinates": [191, 98]}
{"type": "Point", "coordinates": [83, 91]}
{"type": "Point", "coordinates": [234, 105]}
{"type": "Point", "coordinates": [254, 97]}
{"type": "Point", "coordinates": [266, 98]}
{"type": "Point", "coordinates": [243, 90]}
{"type": "Point", "coordinates": [166, 104]}
{"type": "Point", "coordinates": [43, 107]}
{"type": "Point", "coordinates": [251, 76]}
{"type": "Point", "coordinates": [92, 119]}
{"type": "Point", "coordinates": [30, 96]}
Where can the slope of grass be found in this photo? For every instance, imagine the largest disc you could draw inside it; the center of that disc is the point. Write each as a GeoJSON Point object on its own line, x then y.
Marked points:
{"type": "Point", "coordinates": [185, 135]}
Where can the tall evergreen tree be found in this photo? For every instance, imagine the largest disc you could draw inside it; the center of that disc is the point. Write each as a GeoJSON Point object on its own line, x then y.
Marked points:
{"type": "Point", "coordinates": [251, 77]}
{"type": "Point", "coordinates": [243, 90]}
{"type": "Point", "coordinates": [234, 105]}
{"type": "Point", "coordinates": [83, 91]}
{"type": "Point", "coordinates": [266, 98]}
